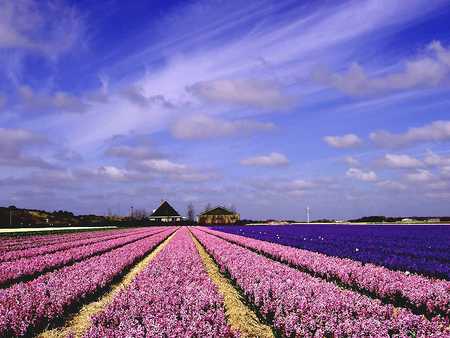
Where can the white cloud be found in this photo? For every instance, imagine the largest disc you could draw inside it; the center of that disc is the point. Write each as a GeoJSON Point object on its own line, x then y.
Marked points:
{"type": "Point", "coordinates": [159, 166]}
{"type": "Point", "coordinates": [430, 70]}
{"type": "Point", "coordinates": [280, 185]}
{"type": "Point", "coordinates": [434, 159]}
{"type": "Point", "coordinates": [419, 175]}
{"type": "Point", "coordinates": [137, 96]}
{"type": "Point", "coordinates": [445, 172]}
{"type": "Point", "coordinates": [49, 27]}
{"type": "Point", "coordinates": [361, 175]}
{"type": "Point", "coordinates": [250, 92]}
{"type": "Point", "coordinates": [13, 143]}
{"type": "Point", "coordinates": [130, 152]}
{"type": "Point", "coordinates": [397, 162]}
{"type": "Point", "coordinates": [193, 177]}
{"type": "Point", "coordinates": [345, 141]}
{"type": "Point", "coordinates": [112, 174]}
{"type": "Point", "coordinates": [272, 160]}
{"type": "Point", "coordinates": [197, 127]}
{"type": "Point", "coordinates": [390, 185]}
{"type": "Point", "coordinates": [59, 102]}
{"type": "Point", "coordinates": [435, 131]}
{"type": "Point", "coordinates": [351, 162]}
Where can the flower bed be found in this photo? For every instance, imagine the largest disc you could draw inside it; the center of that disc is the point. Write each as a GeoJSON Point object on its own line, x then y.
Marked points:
{"type": "Point", "coordinates": [29, 267]}
{"type": "Point", "coordinates": [46, 298]}
{"type": "Point", "coordinates": [429, 296]}
{"type": "Point", "coordinates": [172, 297]}
{"type": "Point", "coordinates": [299, 305]}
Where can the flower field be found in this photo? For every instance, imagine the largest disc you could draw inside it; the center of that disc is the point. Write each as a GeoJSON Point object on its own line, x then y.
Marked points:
{"type": "Point", "coordinates": [297, 292]}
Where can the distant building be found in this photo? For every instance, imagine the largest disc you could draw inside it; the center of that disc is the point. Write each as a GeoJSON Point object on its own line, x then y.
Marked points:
{"type": "Point", "coordinates": [434, 220]}
{"type": "Point", "coordinates": [165, 213]}
{"type": "Point", "coordinates": [218, 215]}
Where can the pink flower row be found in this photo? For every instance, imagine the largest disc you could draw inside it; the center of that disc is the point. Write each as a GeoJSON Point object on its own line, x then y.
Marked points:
{"type": "Point", "coordinates": [26, 242]}
{"type": "Point", "coordinates": [63, 245]}
{"type": "Point", "coordinates": [172, 297]}
{"type": "Point", "coordinates": [14, 270]}
{"type": "Point", "coordinates": [48, 297]}
{"type": "Point", "coordinates": [431, 296]}
{"type": "Point", "coordinates": [299, 305]}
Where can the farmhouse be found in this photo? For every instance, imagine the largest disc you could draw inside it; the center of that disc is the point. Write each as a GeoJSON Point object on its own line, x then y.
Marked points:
{"type": "Point", "coordinates": [165, 213]}
{"type": "Point", "coordinates": [218, 215]}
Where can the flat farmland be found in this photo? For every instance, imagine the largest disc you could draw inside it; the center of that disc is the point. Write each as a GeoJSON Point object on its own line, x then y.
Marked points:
{"type": "Point", "coordinates": [268, 281]}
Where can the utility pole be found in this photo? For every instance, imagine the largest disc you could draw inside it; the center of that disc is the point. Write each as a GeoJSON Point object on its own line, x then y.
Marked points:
{"type": "Point", "coordinates": [10, 214]}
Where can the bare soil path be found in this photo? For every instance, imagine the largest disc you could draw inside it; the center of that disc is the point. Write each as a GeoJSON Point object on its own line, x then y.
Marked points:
{"type": "Point", "coordinates": [239, 316]}
{"type": "Point", "coordinates": [79, 322]}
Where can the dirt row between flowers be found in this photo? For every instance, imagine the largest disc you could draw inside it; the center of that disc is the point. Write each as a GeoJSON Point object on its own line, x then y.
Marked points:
{"type": "Point", "coordinates": [79, 322]}
{"type": "Point", "coordinates": [239, 316]}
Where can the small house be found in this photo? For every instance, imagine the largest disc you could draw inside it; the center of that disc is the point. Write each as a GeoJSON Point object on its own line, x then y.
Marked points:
{"type": "Point", "coordinates": [218, 215]}
{"type": "Point", "coordinates": [165, 213]}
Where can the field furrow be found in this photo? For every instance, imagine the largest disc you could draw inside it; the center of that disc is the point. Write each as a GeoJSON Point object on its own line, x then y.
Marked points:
{"type": "Point", "coordinates": [172, 297]}
{"type": "Point", "coordinates": [27, 268]}
{"type": "Point", "coordinates": [34, 241]}
{"type": "Point", "coordinates": [77, 323]}
{"type": "Point", "coordinates": [238, 314]}
{"type": "Point", "coordinates": [299, 305]}
{"type": "Point", "coordinates": [46, 249]}
{"type": "Point", "coordinates": [419, 293]}
{"type": "Point", "coordinates": [27, 307]}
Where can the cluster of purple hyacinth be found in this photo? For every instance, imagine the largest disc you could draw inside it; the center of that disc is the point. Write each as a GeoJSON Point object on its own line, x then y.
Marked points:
{"type": "Point", "coordinates": [24, 306]}
{"type": "Point", "coordinates": [29, 266]}
{"type": "Point", "coordinates": [172, 297]}
{"type": "Point", "coordinates": [416, 291]}
{"type": "Point", "coordinates": [398, 247]}
{"type": "Point", "coordinates": [300, 305]}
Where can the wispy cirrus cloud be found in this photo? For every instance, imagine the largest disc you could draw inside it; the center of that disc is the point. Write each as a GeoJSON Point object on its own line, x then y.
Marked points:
{"type": "Point", "coordinates": [198, 127]}
{"type": "Point", "coordinates": [3, 99]}
{"type": "Point", "coordinates": [272, 160]}
{"type": "Point", "coordinates": [438, 131]}
{"type": "Point", "coordinates": [345, 141]}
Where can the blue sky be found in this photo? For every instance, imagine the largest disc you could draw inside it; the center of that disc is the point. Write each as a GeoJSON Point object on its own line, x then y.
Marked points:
{"type": "Point", "coordinates": [269, 106]}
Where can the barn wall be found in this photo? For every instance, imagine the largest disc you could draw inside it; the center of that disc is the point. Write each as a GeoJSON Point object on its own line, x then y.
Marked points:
{"type": "Point", "coordinates": [218, 219]}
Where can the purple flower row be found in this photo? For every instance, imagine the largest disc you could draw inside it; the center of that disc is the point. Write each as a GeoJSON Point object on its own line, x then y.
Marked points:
{"type": "Point", "coordinates": [397, 247]}
{"type": "Point", "coordinates": [172, 297]}
{"type": "Point", "coordinates": [48, 297]}
{"type": "Point", "coordinates": [26, 267]}
{"type": "Point", "coordinates": [26, 242]}
{"type": "Point", "coordinates": [428, 295]}
{"type": "Point", "coordinates": [63, 245]}
{"type": "Point", "coordinates": [299, 305]}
